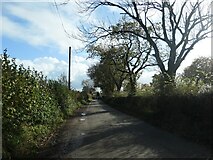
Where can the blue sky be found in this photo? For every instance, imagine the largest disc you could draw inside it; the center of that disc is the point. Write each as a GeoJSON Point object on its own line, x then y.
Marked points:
{"type": "Point", "coordinates": [33, 34]}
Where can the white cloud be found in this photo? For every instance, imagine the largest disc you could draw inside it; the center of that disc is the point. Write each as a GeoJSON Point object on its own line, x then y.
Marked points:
{"type": "Point", "coordinates": [49, 66]}
{"type": "Point", "coordinates": [203, 48]}
{"type": "Point", "coordinates": [53, 68]}
{"type": "Point", "coordinates": [40, 25]}
{"type": "Point", "coordinates": [146, 77]}
{"type": "Point", "coordinates": [26, 1]}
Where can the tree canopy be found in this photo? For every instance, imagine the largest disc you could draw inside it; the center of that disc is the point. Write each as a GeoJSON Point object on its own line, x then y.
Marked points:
{"type": "Point", "coordinates": [127, 52]}
{"type": "Point", "coordinates": [201, 69]}
{"type": "Point", "coordinates": [169, 25]}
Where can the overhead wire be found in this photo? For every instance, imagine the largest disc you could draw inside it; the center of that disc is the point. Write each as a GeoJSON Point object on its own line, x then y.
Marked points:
{"type": "Point", "coordinates": [62, 24]}
{"type": "Point", "coordinates": [65, 31]}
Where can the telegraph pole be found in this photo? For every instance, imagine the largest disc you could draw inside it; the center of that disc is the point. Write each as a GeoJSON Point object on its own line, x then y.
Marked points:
{"type": "Point", "coordinates": [69, 70]}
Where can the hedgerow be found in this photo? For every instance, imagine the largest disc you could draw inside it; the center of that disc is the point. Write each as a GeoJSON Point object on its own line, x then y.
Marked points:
{"type": "Point", "coordinates": [184, 115]}
{"type": "Point", "coordinates": [32, 107]}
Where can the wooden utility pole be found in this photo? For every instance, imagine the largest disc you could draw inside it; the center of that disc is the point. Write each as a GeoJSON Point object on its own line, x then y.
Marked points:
{"type": "Point", "coordinates": [69, 70]}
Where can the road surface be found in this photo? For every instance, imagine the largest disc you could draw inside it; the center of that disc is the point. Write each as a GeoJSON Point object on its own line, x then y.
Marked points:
{"type": "Point", "coordinates": [99, 131]}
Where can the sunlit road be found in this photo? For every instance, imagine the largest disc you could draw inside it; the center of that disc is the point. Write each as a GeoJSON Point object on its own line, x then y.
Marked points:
{"type": "Point", "coordinates": [99, 131]}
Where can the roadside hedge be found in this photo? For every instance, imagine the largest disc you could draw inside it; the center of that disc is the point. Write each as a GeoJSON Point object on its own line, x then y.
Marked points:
{"type": "Point", "coordinates": [187, 116]}
{"type": "Point", "coordinates": [32, 108]}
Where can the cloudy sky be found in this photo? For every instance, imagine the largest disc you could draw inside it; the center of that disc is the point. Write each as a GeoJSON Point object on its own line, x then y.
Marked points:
{"type": "Point", "coordinates": [35, 33]}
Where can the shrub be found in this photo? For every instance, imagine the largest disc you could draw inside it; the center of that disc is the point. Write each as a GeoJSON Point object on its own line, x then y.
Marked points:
{"type": "Point", "coordinates": [186, 86]}
{"type": "Point", "coordinates": [65, 99]}
{"type": "Point", "coordinates": [185, 115]}
{"type": "Point", "coordinates": [31, 107]}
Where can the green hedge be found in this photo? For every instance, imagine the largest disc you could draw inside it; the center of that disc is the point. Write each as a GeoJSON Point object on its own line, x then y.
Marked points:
{"type": "Point", "coordinates": [65, 99]}
{"type": "Point", "coordinates": [32, 108]}
{"type": "Point", "coordinates": [188, 116]}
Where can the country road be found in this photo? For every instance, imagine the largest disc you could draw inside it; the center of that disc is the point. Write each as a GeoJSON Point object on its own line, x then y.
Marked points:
{"type": "Point", "coordinates": [98, 131]}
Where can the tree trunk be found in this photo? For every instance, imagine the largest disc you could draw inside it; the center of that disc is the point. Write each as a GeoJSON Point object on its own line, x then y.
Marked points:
{"type": "Point", "coordinates": [133, 84]}
{"type": "Point", "coordinates": [118, 87]}
{"type": "Point", "coordinates": [168, 82]}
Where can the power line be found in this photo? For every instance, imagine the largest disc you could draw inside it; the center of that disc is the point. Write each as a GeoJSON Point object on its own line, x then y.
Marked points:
{"type": "Point", "coordinates": [69, 36]}
{"type": "Point", "coordinates": [62, 24]}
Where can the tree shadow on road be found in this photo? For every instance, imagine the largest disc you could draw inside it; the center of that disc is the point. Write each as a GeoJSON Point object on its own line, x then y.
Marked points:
{"type": "Point", "coordinates": [118, 139]}
{"type": "Point", "coordinates": [130, 141]}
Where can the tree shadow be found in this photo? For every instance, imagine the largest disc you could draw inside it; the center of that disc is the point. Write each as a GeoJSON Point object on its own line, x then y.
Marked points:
{"type": "Point", "coordinates": [132, 139]}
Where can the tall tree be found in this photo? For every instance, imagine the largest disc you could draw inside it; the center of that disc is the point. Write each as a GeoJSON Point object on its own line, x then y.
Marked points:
{"type": "Point", "coordinates": [181, 26]}
{"type": "Point", "coordinates": [129, 53]}
{"type": "Point", "coordinates": [105, 76]}
{"type": "Point", "coordinates": [88, 86]}
{"type": "Point", "coordinates": [201, 69]}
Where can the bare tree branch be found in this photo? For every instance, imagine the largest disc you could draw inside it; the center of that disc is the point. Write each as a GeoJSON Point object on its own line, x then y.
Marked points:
{"type": "Point", "coordinates": [180, 31]}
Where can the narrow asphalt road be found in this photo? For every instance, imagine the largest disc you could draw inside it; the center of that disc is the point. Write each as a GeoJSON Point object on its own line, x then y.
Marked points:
{"type": "Point", "coordinates": [98, 131]}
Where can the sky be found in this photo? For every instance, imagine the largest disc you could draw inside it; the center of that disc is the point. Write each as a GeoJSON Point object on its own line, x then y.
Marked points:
{"type": "Point", "coordinates": [38, 35]}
